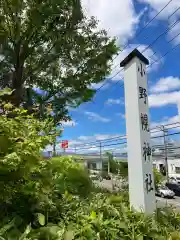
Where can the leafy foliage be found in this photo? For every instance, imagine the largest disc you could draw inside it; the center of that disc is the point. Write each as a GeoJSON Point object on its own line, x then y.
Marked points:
{"type": "Point", "coordinates": [106, 216]}
{"type": "Point", "coordinates": [52, 199]}
{"type": "Point", "coordinates": [52, 46]}
{"type": "Point", "coordinates": [32, 188]}
{"type": "Point", "coordinates": [158, 177]}
{"type": "Point", "coordinates": [69, 176]}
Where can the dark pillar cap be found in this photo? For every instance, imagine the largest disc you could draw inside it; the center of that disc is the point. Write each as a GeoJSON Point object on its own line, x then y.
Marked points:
{"type": "Point", "coordinates": [134, 53]}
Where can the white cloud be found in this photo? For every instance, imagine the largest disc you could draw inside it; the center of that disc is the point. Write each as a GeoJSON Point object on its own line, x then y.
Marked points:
{"type": "Point", "coordinates": [97, 137]}
{"type": "Point", "coordinates": [163, 99]}
{"type": "Point", "coordinates": [122, 115]}
{"type": "Point", "coordinates": [169, 13]}
{"type": "Point", "coordinates": [101, 137]}
{"type": "Point", "coordinates": [120, 20]}
{"type": "Point", "coordinates": [166, 84]}
{"type": "Point", "coordinates": [118, 73]}
{"type": "Point", "coordinates": [174, 33]}
{"type": "Point", "coordinates": [157, 5]}
{"type": "Point", "coordinates": [71, 109]}
{"type": "Point", "coordinates": [91, 143]}
{"type": "Point", "coordinates": [69, 124]}
{"type": "Point", "coordinates": [102, 85]}
{"type": "Point", "coordinates": [172, 123]}
{"type": "Point", "coordinates": [111, 101]}
{"type": "Point", "coordinates": [96, 117]}
{"type": "Point", "coordinates": [118, 17]}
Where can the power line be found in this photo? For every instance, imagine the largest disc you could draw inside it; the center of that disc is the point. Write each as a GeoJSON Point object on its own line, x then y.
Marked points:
{"type": "Point", "coordinates": [139, 45]}
{"type": "Point", "coordinates": [105, 140]}
{"type": "Point", "coordinates": [173, 13]}
{"type": "Point", "coordinates": [155, 61]}
{"type": "Point", "coordinates": [171, 134]}
{"type": "Point", "coordinates": [163, 33]}
{"type": "Point", "coordinates": [107, 145]}
{"type": "Point", "coordinates": [167, 30]}
{"type": "Point", "coordinates": [122, 143]}
{"type": "Point", "coordinates": [124, 136]}
{"type": "Point", "coordinates": [167, 42]}
{"type": "Point", "coordinates": [165, 125]}
{"type": "Point", "coordinates": [146, 25]}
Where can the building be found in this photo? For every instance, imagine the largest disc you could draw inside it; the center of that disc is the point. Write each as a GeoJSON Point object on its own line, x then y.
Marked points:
{"type": "Point", "coordinates": [96, 162]}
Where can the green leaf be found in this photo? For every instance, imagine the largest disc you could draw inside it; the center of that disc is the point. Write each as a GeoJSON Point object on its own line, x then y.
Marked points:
{"type": "Point", "coordinates": [6, 227]}
{"type": "Point", "coordinates": [26, 232]}
{"type": "Point", "coordinates": [122, 225]}
{"type": "Point", "coordinates": [69, 235]}
{"type": "Point", "coordinates": [6, 91]}
{"type": "Point", "coordinates": [57, 49]}
{"type": "Point", "coordinates": [41, 219]}
{"type": "Point", "coordinates": [93, 215]}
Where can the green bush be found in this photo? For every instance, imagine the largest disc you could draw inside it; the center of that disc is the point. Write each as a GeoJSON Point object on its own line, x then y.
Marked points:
{"type": "Point", "coordinates": [70, 176]}
{"type": "Point", "coordinates": [54, 199]}
{"type": "Point", "coordinates": [29, 184]}
{"type": "Point", "coordinates": [106, 217]}
{"type": "Point", "coordinates": [158, 177]}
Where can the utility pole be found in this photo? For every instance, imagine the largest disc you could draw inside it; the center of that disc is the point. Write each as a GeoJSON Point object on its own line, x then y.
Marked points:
{"type": "Point", "coordinates": [165, 151]}
{"type": "Point", "coordinates": [111, 159]}
{"type": "Point", "coordinates": [100, 151]}
{"type": "Point", "coordinates": [108, 165]}
{"type": "Point", "coordinates": [54, 149]}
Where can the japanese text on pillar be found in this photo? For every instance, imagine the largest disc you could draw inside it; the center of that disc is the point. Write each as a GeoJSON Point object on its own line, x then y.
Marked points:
{"type": "Point", "coordinates": [147, 151]}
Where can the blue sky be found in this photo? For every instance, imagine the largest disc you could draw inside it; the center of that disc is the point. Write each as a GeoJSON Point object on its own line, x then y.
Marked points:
{"type": "Point", "coordinates": [105, 116]}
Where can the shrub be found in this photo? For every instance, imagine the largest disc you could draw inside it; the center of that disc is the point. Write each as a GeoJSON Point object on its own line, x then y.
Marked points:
{"type": "Point", "coordinates": [70, 176]}
{"type": "Point", "coordinates": [158, 177]}
{"type": "Point", "coordinates": [22, 137]}
{"type": "Point", "coordinates": [108, 217]}
{"type": "Point", "coordinates": [49, 199]}
{"type": "Point", "coordinates": [29, 184]}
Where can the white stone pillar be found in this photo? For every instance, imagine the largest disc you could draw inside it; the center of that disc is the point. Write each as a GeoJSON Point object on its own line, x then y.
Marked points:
{"type": "Point", "coordinates": [178, 107]}
{"type": "Point", "coordinates": [141, 179]}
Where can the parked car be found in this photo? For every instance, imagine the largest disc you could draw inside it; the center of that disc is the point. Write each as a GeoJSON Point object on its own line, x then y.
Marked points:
{"type": "Point", "coordinates": [164, 191]}
{"type": "Point", "coordinates": [95, 177]}
{"type": "Point", "coordinates": [174, 187]}
{"type": "Point", "coordinates": [107, 177]}
{"type": "Point", "coordinates": [174, 179]}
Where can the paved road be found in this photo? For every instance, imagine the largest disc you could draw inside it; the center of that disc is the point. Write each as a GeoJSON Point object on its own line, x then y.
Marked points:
{"type": "Point", "coordinates": [161, 202]}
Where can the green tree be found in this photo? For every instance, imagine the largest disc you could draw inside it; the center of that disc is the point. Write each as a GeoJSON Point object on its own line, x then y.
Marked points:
{"type": "Point", "coordinates": [110, 159]}
{"type": "Point", "coordinates": [30, 184]}
{"type": "Point", "coordinates": [158, 177]}
{"type": "Point", "coordinates": [53, 46]}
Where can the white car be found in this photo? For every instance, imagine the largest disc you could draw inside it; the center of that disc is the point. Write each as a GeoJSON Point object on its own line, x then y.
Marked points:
{"type": "Point", "coordinates": [95, 177]}
{"type": "Point", "coordinates": [164, 191]}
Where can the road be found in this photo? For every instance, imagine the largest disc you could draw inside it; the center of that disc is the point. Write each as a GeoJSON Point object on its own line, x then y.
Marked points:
{"type": "Point", "coordinates": [161, 202]}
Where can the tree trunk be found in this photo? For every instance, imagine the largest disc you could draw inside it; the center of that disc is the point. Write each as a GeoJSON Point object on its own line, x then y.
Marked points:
{"type": "Point", "coordinates": [17, 85]}
{"type": "Point", "coordinates": [17, 78]}
{"type": "Point", "coordinates": [54, 149]}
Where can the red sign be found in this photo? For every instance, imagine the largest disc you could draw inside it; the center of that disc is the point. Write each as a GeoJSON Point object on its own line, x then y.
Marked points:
{"type": "Point", "coordinates": [64, 144]}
